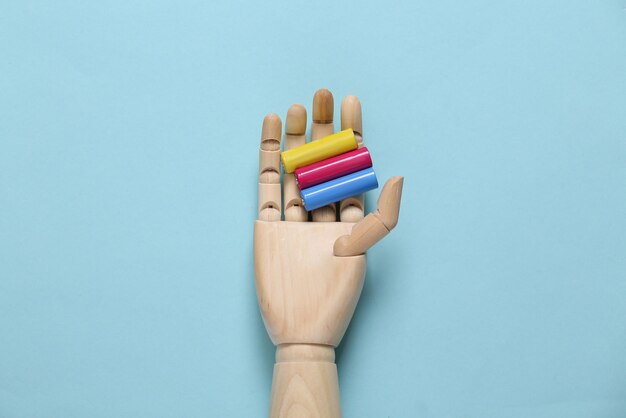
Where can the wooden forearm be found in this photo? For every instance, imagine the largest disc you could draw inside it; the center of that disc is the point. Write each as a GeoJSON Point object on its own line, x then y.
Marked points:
{"type": "Point", "coordinates": [305, 382]}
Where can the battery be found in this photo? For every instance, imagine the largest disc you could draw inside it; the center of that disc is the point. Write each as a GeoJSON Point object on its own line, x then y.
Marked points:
{"type": "Point", "coordinates": [319, 150]}
{"type": "Point", "coordinates": [338, 189]}
{"type": "Point", "coordinates": [332, 168]}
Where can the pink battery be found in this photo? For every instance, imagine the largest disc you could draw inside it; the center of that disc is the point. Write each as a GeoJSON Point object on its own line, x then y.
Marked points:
{"type": "Point", "coordinates": [333, 167]}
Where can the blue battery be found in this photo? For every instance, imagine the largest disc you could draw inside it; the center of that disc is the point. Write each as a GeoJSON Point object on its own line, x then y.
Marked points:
{"type": "Point", "coordinates": [340, 188]}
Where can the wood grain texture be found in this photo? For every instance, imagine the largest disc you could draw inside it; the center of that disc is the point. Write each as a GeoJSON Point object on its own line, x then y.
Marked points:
{"type": "Point", "coordinates": [353, 208]}
{"type": "Point", "coordinates": [295, 135]}
{"type": "Point", "coordinates": [306, 294]}
{"type": "Point", "coordinates": [307, 297]}
{"type": "Point", "coordinates": [322, 126]}
{"type": "Point", "coordinates": [376, 225]}
{"type": "Point", "coordinates": [305, 390]}
{"type": "Point", "coordinates": [270, 199]}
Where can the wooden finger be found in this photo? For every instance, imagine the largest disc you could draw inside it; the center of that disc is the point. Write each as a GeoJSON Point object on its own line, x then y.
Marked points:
{"type": "Point", "coordinates": [352, 209]}
{"type": "Point", "coordinates": [295, 135]}
{"type": "Point", "coordinates": [269, 169]}
{"type": "Point", "coordinates": [323, 109]}
{"type": "Point", "coordinates": [374, 226]}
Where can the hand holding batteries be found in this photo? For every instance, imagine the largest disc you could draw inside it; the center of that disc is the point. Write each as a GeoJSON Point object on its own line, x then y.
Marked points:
{"type": "Point", "coordinates": [309, 274]}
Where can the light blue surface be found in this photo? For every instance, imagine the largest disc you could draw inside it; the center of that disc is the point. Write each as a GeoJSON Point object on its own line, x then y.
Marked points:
{"type": "Point", "coordinates": [129, 133]}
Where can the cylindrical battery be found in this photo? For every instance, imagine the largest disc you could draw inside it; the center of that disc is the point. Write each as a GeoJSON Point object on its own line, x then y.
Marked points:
{"type": "Point", "coordinates": [319, 150]}
{"type": "Point", "coordinates": [332, 168]}
{"type": "Point", "coordinates": [338, 189]}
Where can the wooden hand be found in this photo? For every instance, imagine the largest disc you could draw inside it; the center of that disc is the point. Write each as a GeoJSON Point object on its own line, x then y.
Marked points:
{"type": "Point", "coordinates": [309, 275]}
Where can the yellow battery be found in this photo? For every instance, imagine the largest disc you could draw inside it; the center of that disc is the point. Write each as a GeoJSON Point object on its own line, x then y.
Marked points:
{"type": "Point", "coordinates": [319, 150]}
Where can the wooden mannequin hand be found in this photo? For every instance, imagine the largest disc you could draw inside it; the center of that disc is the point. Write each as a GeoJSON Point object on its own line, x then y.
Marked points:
{"type": "Point", "coordinates": [309, 275]}
{"type": "Point", "coordinates": [306, 294]}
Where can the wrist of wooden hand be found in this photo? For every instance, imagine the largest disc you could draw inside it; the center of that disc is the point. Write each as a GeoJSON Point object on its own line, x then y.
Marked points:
{"type": "Point", "coordinates": [286, 353]}
{"type": "Point", "coordinates": [305, 382]}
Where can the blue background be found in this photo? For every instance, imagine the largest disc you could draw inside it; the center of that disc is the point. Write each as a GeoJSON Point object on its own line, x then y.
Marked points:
{"type": "Point", "coordinates": [128, 163]}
